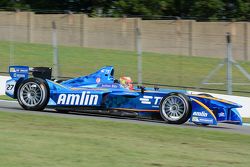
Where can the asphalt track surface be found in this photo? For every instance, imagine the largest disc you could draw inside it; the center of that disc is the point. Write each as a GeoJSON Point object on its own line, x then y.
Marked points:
{"type": "Point", "coordinates": [13, 106]}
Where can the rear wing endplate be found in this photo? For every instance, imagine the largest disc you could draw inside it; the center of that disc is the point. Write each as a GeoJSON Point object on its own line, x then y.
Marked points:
{"type": "Point", "coordinates": [19, 71]}
{"type": "Point", "coordinates": [23, 72]}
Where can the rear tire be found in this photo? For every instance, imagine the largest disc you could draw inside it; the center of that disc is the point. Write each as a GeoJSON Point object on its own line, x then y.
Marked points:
{"type": "Point", "coordinates": [175, 108]}
{"type": "Point", "coordinates": [33, 94]}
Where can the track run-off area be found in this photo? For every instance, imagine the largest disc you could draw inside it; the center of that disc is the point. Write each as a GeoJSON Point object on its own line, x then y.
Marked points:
{"type": "Point", "coordinates": [13, 106]}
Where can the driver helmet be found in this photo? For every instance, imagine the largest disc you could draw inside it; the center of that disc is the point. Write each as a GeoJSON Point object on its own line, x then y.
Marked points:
{"type": "Point", "coordinates": [126, 82]}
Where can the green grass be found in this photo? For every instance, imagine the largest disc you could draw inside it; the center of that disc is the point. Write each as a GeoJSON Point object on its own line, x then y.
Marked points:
{"type": "Point", "coordinates": [32, 140]}
{"type": "Point", "coordinates": [157, 68]}
{"type": "Point", "coordinates": [4, 97]}
{"type": "Point", "coordinates": [246, 120]}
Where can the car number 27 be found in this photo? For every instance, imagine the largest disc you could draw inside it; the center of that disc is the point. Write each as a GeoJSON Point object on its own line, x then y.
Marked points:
{"type": "Point", "coordinates": [9, 87]}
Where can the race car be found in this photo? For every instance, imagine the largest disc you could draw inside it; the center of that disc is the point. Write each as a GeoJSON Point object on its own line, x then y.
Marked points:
{"type": "Point", "coordinates": [100, 92]}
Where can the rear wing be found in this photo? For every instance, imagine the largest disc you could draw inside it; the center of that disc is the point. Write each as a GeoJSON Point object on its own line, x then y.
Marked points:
{"type": "Point", "coordinates": [25, 71]}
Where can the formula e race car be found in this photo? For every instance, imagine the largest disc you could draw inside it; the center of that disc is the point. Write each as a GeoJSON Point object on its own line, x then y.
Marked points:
{"type": "Point", "coordinates": [101, 93]}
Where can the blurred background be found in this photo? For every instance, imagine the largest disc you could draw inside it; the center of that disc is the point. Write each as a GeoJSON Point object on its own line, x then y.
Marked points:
{"type": "Point", "coordinates": [179, 44]}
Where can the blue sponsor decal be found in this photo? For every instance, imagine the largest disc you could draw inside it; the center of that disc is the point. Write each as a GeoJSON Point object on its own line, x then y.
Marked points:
{"type": "Point", "coordinates": [203, 120]}
{"type": "Point", "coordinates": [19, 71]}
{"type": "Point", "coordinates": [206, 120]}
{"type": "Point", "coordinates": [109, 86]}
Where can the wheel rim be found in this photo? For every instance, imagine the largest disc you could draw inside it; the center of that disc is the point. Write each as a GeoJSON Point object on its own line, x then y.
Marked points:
{"type": "Point", "coordinates": [31, 94]}
{"type": "Point", "coordinates": [173, 108]}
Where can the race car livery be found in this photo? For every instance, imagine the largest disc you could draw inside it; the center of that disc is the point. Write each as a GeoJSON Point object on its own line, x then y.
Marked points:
{"type": "Point", "coordinates": [101, 93]}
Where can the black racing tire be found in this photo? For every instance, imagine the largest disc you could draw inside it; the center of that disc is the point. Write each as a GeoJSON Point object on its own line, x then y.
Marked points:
{"type": "Point", "coordinates": [175, 108]}
{"type": "Point", "coordinates": [33, 94]}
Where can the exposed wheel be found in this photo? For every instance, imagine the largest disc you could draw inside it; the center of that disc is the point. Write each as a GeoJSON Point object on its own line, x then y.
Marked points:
{"type": "Point", "coordinates": [33, 94]}
{"type": "Point", "coordinates": [175, 108]}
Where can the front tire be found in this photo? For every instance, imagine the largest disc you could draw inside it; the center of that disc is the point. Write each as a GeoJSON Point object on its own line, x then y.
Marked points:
{"type": "Point", "coordinates": [175, 108]}
{"type": "Point", "coordinates": [33, 94]}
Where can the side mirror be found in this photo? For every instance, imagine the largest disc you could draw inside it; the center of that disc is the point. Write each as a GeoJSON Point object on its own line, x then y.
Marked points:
{"type": "Point", "coordinates": [156, 88]}
{"type": "Point", "coordinates": [142, 89]}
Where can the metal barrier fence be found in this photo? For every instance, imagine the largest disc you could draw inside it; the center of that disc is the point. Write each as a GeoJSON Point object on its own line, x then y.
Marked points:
{"type": "Point", "coordinates": [179, 53]}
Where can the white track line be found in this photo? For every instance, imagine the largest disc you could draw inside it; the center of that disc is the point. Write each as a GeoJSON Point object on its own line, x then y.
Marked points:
{"type": "Point", "coordinates": [246, 124]}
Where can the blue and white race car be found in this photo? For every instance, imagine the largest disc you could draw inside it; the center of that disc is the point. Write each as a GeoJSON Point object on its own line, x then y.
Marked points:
{"type": "Point", "coordinates": [101, 93]}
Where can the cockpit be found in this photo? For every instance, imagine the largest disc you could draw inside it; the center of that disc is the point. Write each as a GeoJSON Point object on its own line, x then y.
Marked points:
{"type": "Point", "coordinates": [102, 78]}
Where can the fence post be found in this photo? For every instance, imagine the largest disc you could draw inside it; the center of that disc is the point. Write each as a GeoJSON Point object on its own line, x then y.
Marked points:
{"type": "Point", "coordinates": [246, 41]}
{"type": "Point", "coordinates": [30, 26]}
{"type": "Point", "coordinates": [229, 63]}
{"type": "Point", "coordinates": [138, 50]}
{"type": "Point", "coordinates": [55, 51]}
{"type": "Point", "coordinates": [190, 37]}
{"type": "Point", "coordinates": [11, 39]}
{"type": "Point", "coordinates": [83, 30]}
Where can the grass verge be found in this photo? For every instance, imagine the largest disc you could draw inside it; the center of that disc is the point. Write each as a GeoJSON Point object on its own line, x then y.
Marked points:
{"type": "Point", "coordinates": [4, 97]}
{"type": "Point", "coordinates": [31, 140]}
{"type": "Point", "coordinates": [246, 120]}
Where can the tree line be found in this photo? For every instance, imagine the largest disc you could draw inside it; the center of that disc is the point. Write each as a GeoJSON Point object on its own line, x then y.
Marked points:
{"type": "Point", "coordinates": [197, 9]}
